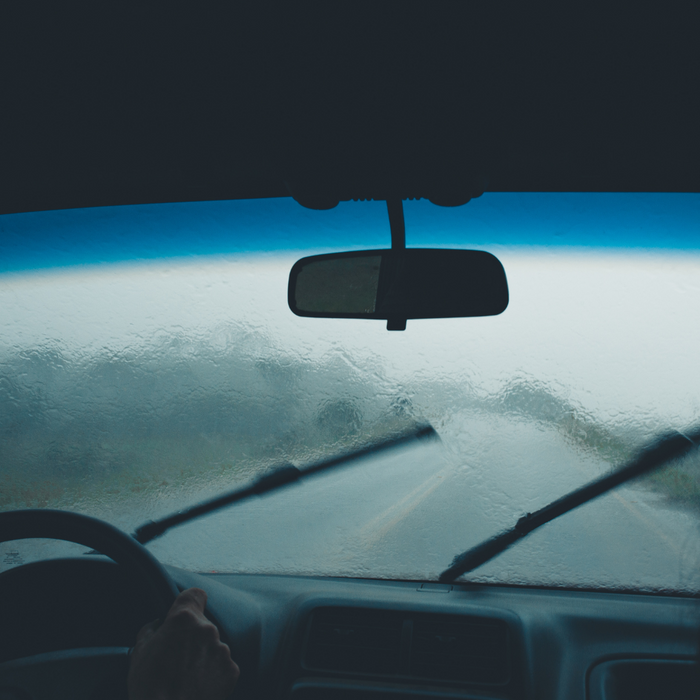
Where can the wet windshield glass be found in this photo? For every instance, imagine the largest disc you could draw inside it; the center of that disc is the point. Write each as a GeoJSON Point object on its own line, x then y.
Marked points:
{"type": "Point", "coordinates": [148, 360]}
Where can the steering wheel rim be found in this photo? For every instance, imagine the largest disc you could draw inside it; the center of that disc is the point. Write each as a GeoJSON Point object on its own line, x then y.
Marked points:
{"type": "Point", "coordinates": [82, 670]}
{"type": "Point", "coordinates": [97, 534]}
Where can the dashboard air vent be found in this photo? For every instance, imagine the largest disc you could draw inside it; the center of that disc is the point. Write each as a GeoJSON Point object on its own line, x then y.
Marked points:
{"type": "Point", "coordinates": [459, 649]}
{"type": "Point", "coordinates": [355, 641]}
{"type": "Point", "coordinates": [452, 648]}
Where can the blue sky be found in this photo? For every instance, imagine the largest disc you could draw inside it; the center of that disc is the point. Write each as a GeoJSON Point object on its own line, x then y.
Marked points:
{"type": "Point", "coordinates": [41, 240]}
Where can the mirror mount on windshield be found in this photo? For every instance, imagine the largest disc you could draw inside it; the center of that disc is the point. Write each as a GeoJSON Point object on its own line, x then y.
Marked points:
{"type": "Point", "coordinates": [398, 283]}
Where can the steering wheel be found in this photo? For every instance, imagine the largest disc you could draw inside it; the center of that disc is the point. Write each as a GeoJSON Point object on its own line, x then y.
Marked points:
{"type": "Point", "coordinates": [75, 673]}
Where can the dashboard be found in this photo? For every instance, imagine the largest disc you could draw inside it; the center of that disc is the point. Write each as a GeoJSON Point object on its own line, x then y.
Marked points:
{"type": "Point", "coordinates": [307, 638]}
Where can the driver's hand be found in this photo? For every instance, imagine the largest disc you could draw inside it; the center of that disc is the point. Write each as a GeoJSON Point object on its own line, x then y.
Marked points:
{"type": "Point", "coordinates": [182, 659]}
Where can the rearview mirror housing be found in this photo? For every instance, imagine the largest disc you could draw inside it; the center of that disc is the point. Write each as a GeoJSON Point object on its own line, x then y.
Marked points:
{"type": "Point", "coordinates": [396, 285]}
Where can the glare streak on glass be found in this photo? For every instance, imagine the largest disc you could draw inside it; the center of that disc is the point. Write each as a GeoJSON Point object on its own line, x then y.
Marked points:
{"type": "Point", "coordinates": [129, 391]}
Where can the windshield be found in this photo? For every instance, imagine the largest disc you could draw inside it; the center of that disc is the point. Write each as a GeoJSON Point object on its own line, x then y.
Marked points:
{"type": "Point", "coordinates": [149, 360]}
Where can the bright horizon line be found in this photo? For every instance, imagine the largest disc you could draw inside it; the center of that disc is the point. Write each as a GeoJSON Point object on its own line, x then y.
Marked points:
{"type": "Point", "coordinates": [107, 235]}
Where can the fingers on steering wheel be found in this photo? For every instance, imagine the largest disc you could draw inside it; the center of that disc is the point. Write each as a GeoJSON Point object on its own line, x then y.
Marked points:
{"type": "Point", "coordinates": [193, 598]}
{"type": "Point", "coordinates": [147, 630]}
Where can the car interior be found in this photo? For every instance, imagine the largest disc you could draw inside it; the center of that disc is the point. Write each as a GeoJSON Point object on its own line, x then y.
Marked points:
{"type": "Point", "coordinates": [148, 102]}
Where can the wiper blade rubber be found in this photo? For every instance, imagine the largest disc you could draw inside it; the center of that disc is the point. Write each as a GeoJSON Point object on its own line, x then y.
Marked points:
{"type": "Point", "coordinates": [660, 452]}
{"type": "Point", "coordinates": [275, 479]}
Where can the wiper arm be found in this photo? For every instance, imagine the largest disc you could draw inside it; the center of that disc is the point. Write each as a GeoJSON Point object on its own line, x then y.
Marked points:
{"type": "Point", "coordinates": [655, 455]}
{"type": "Point", "coordinates": [275, 479]}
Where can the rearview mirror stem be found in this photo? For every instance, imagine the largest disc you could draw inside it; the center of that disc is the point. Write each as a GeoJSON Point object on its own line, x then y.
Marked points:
{"type": "Point", "coordinates": [396, 222]}
{"type": "Point", "coordinates": [394, 206]}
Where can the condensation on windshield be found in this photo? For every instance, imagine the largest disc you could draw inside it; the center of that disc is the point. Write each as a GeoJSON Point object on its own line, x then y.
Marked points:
{"type": "Point", "coordinates": [128, 392]}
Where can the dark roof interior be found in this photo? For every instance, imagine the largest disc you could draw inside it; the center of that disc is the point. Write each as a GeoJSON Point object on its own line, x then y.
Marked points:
{"type": "Point", "coordinates": [137, 101]}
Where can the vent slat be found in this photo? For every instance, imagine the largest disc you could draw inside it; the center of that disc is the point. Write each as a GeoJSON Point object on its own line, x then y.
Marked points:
{"type": "Point", "coordinates": [357, 635]}
{"type": "Point", "coordinates": [460, 650]}
{"type": "Point", "coordinates": [375, 642]}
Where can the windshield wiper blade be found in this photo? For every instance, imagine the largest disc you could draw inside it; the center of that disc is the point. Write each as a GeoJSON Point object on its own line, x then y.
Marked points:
{"type": "Point", "coordinates": [655, 455]}
{"type": "Point", "coordinates": [277, 478]}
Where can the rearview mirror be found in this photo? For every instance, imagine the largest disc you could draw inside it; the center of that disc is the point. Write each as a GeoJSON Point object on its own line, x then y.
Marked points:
{"type": "Point", "coordinates": [396, 285]}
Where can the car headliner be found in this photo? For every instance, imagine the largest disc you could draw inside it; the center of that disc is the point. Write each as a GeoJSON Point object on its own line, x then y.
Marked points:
{"type": "Point", "coordinates": [140, 102]}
